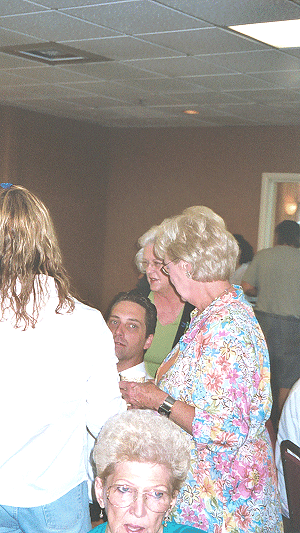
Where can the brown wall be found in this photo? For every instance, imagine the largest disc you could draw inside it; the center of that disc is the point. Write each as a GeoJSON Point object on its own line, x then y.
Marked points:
{"type": "Point", "coordinates": [105, 188]}
{"type": "Point", "coordinates": [157, 173]}
{"type": "Point", "coordinates": [65, 163]}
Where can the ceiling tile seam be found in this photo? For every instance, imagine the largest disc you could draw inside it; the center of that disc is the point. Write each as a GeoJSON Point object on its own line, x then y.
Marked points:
{"type": "Point", "coordinates": [180, 12]}
{"type": "Point", "coordinates": [137, 38]}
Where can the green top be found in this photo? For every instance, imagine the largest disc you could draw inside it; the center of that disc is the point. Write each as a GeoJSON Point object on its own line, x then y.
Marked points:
{"type": "Point", "coordinates": [169, 527]}
{"type": "Point", "coordinates": [162, 343]}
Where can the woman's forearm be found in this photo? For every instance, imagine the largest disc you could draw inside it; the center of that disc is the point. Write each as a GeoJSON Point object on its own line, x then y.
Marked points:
{"type": "Point", "coordinates": [183, 415]}
{"type": "Point", "coordinates": [149, 396]}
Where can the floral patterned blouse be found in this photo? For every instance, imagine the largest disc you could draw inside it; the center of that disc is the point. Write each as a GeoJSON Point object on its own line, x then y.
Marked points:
{"type": "Point", "coordinates": [222, 369]}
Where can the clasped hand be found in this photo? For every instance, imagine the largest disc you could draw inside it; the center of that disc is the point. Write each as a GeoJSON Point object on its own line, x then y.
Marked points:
{"type": "Point", "coordinates": [140, 395]}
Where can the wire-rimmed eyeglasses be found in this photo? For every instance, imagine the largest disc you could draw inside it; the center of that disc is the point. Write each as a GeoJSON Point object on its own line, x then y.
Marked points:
{"type": "Point", "coordinates": [156, 500]}
{"type": "Point", "coordinates": [156, 263]}
{"type": "Point", "coordinates": [164, 269]}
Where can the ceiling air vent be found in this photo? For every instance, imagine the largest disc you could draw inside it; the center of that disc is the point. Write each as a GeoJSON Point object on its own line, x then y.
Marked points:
{"type": "Point", "coordinates": [53, 53]}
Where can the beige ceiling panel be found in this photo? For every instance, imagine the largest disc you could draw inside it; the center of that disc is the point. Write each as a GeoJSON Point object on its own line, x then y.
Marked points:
{"type": "Point", "coordinates": [53, 26]}
{"type": "Point", "coordinates": [48, 74]}
{"type": "Point", "coordinates": [289, 79]}
{"type": "Point", "coordinates": [165, 85]}
{"type": "Point", "coordinates": [124, 48]}
{"type": "Point", "coordinates": [182, 66]}
{"type": "Point", "coordinates": [17, 7]}
{"type": "Point", "coordinates": [269, 96]}
{"type": "Point", "coordinates": [11, 38]}
{"type": "Point", "coordinates": [166, 54]}
{"type": "Point", "coordinates": [136, 16]}
{"type": "Point", "coordinates": [230, 82]}
{"type": "Point", "coordinates": [112, 70]}
{"type": "Point", "coordinates": [61, 4]}
{"type": "Point", "coordinates": [256, 61]}
{"type": "Point", "coordinates": [205, 41]}
{"type": "Point", "coordinates": [231, 12]}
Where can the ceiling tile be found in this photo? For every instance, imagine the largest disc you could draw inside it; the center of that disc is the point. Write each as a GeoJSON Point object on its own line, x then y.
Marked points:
{"type": "Point", "coordinates": [47, 74]}
{"type": "Point", "coordinates": [8, 78]}
{"type": "Point", "coordinates": [136, 16]}
{"type": "Point", "coordinates": [230, 82]}
{"type": "Point", "coordinates": [112, 70]}
{"type": "Point", "coordinates": [165, 55]}
{"type": "Point", "coordinates": [165, 85]}
{"type": "Point", "coordinates": [205, 41]}
{"type": "Point", "coordinates": [13, 7]}
{"type": "Point", "coordinates": [233, 12]}
{"type": "Point", "coordinates": [289, 79]}
{"type": "Point", "coordinates": [54, 26]}
{"type": "Point", "coordinates": [11, 38]}
{"type": "Point", "coordinates": [119, 91]}
{"type": "Point", "coordinates": [268, 96]}
{"type": "Point", "coordinates": [255, 61]}
{"type": "Point", "coordinates": [182, 66]}
{"type": "Point", "coordinates": [60, 4]}
{"type": "Point", "coordinates": [123, 47]}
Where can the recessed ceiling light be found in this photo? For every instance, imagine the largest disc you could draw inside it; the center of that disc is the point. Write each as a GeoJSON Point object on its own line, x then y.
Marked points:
{"type": "Point", "coordinates": [191, 112]}
{"type": "Point", "coordinates": [52, 53]}
{"type": "Point", "coordinates": [281, 34]}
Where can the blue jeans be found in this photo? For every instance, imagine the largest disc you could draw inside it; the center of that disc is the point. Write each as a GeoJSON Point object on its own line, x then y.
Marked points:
{"type": "Point", "coordinates": [68, 514]}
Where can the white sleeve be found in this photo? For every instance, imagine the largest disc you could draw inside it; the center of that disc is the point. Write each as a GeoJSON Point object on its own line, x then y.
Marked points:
{"type": "Point", "coordinates": [103, 394]}
{"type": "Point", "coordinates": [289, 428]}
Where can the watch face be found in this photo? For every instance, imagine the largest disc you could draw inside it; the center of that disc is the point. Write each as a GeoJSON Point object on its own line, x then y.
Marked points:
{"type": "Point", "coordinates": [163, 411]}
{"type": "Point", "coordinates": [166, 406]}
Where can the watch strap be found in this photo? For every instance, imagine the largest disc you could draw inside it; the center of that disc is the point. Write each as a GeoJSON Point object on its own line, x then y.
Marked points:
{"type": "Point", "coordinates": [165, 408]}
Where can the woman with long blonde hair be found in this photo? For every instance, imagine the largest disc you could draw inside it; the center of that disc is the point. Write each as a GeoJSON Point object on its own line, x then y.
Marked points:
{"type": "Point", "coordinates": [54, 350]}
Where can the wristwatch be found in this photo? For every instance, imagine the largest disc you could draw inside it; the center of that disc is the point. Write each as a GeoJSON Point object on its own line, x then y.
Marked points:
{"type": "Point", "coordinates": [165, 408]}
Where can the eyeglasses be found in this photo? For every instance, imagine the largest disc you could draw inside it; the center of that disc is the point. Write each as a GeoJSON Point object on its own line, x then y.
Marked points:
{"type": "Point", "coordinates": [157, 501]}
{"type": "Point", "coordinates": [164, 269]}
{"type": "Point", "coordinates": [157, 264]}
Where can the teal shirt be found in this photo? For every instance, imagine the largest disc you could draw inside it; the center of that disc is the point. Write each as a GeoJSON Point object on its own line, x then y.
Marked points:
{"type": "Point", "coordinates": [171, 527]}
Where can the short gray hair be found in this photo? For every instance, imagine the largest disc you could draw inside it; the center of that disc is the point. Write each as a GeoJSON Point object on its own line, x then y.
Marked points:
{"type": "Point", "coordinates": [147, 238]}
{"type": "Point", "coordinates": [144, 436]}
{"type": "Point", "coordinates": [199, 237]}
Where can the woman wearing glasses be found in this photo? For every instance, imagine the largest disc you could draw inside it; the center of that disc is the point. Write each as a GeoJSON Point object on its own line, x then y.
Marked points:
{"type": "Point", "coordinates": [173, 314]}
{"type": "Point", "coordinates": [215, 384]}
{"type": "Point", "coordinates": [142, 460]}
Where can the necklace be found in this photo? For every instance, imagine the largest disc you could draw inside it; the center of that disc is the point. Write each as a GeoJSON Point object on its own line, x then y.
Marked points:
{"type": "Point", "coordinates": [226, 291]}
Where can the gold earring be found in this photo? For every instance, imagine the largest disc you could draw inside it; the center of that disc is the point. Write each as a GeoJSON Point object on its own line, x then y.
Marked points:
{"type": "Point", "coordinates": [188, 274]}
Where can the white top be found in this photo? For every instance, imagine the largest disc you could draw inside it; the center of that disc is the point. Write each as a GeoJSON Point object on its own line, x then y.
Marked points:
{"type": "Point", "coordinates": [55, 380]}
{"type": "Point", "coordinates": [135, 371]}
{"type": "Point", "coordinates": [237, 276]}
{"type": "Point", "coordinates": [289, 428]}
{"type": "Point", "coordinates": [236, 279]}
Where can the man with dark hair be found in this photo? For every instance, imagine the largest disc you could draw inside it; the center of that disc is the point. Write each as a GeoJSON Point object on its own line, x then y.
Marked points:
{"type": "Point", "coordinates": [288, 232]}
{"type": "Point", "coordinates": [274, 276]}
{"type": "Point", "coordinates": [132, 321]}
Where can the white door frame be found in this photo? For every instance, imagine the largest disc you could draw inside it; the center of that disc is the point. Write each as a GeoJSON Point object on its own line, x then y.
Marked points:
{"type": "Point", "coordinates": [268, 205]}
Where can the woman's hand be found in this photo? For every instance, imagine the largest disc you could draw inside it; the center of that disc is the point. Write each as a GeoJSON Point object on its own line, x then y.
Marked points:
{"type": "Point", "coordinates": [149, 396]}
{"type": "Point", "coordinates": [142, 395]}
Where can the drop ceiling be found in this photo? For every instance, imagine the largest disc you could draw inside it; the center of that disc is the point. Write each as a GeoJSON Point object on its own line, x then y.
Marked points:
{"type": "Point", "coordinates": [161, 58]}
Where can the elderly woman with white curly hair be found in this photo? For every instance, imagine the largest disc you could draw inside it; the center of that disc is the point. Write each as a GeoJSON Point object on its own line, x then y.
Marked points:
{"type": "Point", "coordinates": [215, 383]}
{"type": "Point", "coordinates": [142, 460]}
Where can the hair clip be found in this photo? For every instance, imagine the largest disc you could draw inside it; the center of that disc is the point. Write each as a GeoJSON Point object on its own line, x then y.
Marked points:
{"type": "Point", "coordinates": [5, 185]}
